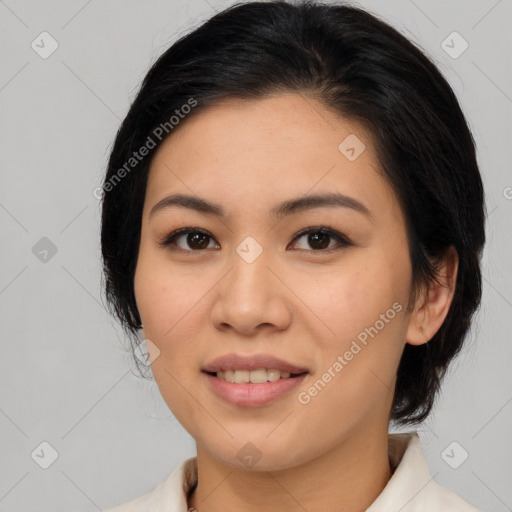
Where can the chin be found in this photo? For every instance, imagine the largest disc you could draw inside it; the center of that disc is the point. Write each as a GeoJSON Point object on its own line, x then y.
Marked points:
{"type": "Point", "coordinates": [255, 456]}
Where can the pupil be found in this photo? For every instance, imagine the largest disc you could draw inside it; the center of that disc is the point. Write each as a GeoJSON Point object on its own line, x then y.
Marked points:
{"type": "Point", "coordinates": [323, 239]}
{"type": "Point", "coordinates": [192, 239]}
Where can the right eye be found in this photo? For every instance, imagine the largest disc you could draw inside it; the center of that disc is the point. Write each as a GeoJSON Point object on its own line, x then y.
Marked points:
{"type": "Point", "coordinates": [196, 239]}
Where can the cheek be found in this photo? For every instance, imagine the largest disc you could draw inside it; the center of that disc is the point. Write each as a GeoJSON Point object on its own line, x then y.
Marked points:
{"type": "Point", "coordinates": [165, 312]}
{"type": "Point", "coordinates": [355, 375]}
{"type": "Point", "coordinates": [362, 309]}
{"type": "Point", "coordinates": [346, 299]}
{"type": "Point", "coordinates": [169, 301]}
{"type": "Point", "coordinates": [156, 291]}
{"type": "Point", "coordinates": [166, 307]}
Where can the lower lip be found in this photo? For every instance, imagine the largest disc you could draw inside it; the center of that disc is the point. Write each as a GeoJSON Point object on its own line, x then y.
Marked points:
{"type": "Point", "coordinates": [248, 394]}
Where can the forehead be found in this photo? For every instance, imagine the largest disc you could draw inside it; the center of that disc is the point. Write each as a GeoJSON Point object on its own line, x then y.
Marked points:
{"type": "Point", "coordinates": [268, 150]}
{"type": "Point", "coordinates": [276, 126]}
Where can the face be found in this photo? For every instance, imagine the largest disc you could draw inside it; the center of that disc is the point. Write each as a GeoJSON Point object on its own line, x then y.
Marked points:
{"type": "Point", "coordinates": [331, 301]}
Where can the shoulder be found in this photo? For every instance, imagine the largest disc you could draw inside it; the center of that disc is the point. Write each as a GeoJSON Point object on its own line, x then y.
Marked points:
{"type": "Point", "coordinates": [148, 501]}
{"type": "Point", "coordinates": [444, 499]}
{"type": "Point", "coordinates": [168, 496]}
{"type": "Point", "coordinates": [412, 488]}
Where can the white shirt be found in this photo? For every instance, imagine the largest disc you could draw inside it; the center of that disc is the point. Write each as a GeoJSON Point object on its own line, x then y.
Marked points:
{"type": "Point", "coordinates": [411, 488]}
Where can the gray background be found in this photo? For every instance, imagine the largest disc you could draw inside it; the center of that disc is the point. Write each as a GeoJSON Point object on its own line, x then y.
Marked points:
{"type": "Point", "coordinates": [66, 378]}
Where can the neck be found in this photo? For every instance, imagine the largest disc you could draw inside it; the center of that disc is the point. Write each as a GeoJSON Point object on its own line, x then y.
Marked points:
{"type": "Point", "coordinates": [348, 477]}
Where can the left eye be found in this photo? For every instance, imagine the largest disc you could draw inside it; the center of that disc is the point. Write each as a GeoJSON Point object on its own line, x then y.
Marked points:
{"type": "Point", "coordinates": [317, 237]}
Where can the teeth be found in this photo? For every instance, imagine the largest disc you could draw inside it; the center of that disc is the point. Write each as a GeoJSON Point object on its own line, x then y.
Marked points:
{"type": "Point", "coordinates": [255, 376]}
{"type": "Point", "coordinates": [229, 376]}
{"type": "Point", "coordinates": [273, 375]}
{"type": "Point", "coordinates": [242, 376]}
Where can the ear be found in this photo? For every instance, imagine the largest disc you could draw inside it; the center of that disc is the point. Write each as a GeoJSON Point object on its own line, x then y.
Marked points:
{"type": "Point", "coordinates": [433, 304]}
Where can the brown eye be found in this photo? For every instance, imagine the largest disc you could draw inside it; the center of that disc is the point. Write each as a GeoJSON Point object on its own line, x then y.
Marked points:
{"type": "Point", "coordinates": [191, 239]}
{"type": "Point", "coordinates": [319, 239]}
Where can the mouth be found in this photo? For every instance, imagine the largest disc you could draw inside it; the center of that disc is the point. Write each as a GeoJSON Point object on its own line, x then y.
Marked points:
{"type": "Point", "coordinates": [252, 380]}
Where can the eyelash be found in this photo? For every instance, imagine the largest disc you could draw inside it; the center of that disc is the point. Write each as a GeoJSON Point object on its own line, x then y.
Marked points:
{"type": "Point", "coordinates": [342, 240]}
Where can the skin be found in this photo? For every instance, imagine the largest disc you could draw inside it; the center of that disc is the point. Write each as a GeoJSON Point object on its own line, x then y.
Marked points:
{"type": "Point", "coordinates": [293, 301]}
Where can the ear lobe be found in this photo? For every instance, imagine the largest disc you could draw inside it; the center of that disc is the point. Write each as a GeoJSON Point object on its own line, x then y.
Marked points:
{"type": "Point", "coordinates": [433, 305]}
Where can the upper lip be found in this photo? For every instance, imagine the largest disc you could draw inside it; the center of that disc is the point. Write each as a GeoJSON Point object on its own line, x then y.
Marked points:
{"type": "Point", "coordinates": [251, 362]}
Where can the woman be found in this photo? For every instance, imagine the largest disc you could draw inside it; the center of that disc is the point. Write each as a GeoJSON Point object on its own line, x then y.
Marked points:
{"type": "Point", "coordinates": [293, 220]}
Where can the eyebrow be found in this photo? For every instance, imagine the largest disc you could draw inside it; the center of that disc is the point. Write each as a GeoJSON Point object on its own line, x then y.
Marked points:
{"type": "Point", "coordinates": [288, 207]}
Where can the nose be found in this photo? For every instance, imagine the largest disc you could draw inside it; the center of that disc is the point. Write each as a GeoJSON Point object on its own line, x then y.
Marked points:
{"type": "Point", "coordinates": [252, 297]}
